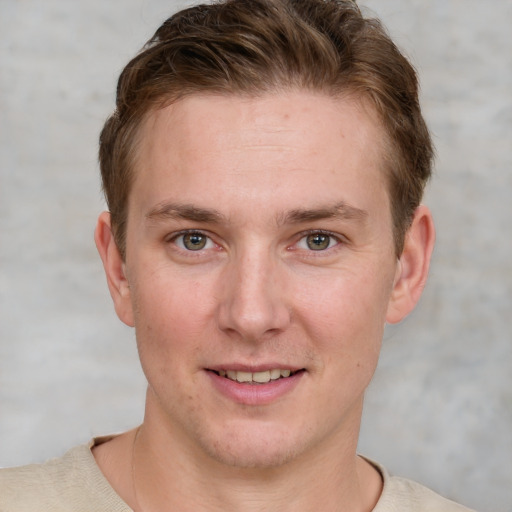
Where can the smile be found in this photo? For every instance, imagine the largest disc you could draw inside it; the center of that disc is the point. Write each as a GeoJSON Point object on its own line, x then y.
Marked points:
{"type": "Point", "coordinates": [262, 387]}
{"type": "Point", "coordinates": [255, 377]}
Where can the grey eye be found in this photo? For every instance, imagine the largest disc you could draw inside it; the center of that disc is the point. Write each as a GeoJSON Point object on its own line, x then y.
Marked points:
{"type": "Point", "coordinates": [318, 241]}
{"type": "Point", "coordinates": [194, 241]}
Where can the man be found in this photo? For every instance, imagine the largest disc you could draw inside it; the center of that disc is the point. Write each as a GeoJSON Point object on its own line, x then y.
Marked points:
{"type": "Point", "coordinates": [263, 170]}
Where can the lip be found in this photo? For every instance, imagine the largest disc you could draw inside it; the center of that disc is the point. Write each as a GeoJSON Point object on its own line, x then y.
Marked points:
{"type": "Point", "coordinates": [254, 394]}
{"type": "Point", "coordinates": [254, 368]}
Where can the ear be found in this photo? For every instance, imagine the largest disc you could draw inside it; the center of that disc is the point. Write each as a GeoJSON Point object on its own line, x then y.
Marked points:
{"type": "Point", "coordinates": [413, 265]}
{"type": "Point", "coordinates": [114, 269]}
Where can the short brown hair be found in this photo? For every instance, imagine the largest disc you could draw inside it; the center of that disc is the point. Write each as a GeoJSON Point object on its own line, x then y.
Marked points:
{"type": "Point", "coordinates": [258, 46]}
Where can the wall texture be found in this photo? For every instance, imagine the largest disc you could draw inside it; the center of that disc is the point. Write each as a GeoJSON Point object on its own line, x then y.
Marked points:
{"type": "Point", "coordinates": [440, 407]}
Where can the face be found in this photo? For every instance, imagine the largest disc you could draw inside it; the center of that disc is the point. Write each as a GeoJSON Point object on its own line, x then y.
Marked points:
{"type": "Point", "coordinates": [260, 270]}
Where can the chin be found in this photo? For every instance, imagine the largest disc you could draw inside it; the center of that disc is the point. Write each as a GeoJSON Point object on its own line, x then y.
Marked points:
{"type": "Point", "coordinates": [252, 456]}
{"type": "Point", "coordinates": [253, 449]}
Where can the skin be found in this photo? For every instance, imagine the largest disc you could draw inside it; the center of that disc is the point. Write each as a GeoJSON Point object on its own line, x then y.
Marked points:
{"type": "Point", "coordinates": [257, 179]}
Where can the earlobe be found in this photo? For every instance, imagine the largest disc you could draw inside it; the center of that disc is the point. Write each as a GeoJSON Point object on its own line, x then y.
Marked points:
{"type": "Point", "coordinates": [412, 268]}
{"type": "Point", "coordinates": [114, 269]}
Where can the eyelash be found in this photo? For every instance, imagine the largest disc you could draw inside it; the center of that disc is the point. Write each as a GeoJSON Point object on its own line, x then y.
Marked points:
{"type": "Point", "coordinates": [333, 236]}
{"type": "Point", "coordinates": [181, 234]}
{"type": "Point", "coordinates": [302, 236]}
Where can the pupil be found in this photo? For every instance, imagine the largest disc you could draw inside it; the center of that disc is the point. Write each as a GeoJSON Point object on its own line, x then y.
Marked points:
{"type": "Point", "coordinates": [194, 241]}
{"type": "Point", "coordinates": [318, 242]}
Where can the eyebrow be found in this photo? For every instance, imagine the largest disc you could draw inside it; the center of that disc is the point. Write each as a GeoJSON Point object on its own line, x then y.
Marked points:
{"type": "Point", "coordinates": [190, 212]}
{"type": "Point", "coordinates": [340, 210]}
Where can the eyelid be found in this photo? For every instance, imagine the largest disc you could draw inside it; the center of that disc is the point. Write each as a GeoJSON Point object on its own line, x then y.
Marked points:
{"type": "Point", "coordinates": [340, 239]}
{"type": "Point", "coordinates": [174, 236]}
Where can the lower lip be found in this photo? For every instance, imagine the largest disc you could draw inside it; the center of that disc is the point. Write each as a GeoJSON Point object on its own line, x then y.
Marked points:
{"type": "Point", "coordinates": [255, 394]}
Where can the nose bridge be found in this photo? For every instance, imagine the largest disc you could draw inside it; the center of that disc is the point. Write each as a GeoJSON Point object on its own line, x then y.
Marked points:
{"type": "Point", "coordinates": [253, 301]}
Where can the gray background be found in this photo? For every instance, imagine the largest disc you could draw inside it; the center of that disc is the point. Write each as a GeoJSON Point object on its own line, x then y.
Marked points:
{"type": "Point", "coordinates": [440, 407]}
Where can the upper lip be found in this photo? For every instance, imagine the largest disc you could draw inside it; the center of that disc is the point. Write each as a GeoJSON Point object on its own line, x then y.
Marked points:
{"type": "Point", "coordinates": [254, 368]}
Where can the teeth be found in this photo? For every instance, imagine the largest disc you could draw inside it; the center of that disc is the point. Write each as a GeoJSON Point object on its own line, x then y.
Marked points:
{"type": "Point", "coordinates": [243, 376]}
{"type": "Point", "coordinates": [261, 377]}
{"type": "Point", "coordinates": [275, 374]}
{"type": "Point", "coordinates": [257, 377]}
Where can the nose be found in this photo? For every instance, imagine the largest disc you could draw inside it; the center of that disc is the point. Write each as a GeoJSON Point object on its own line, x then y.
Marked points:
{"type": "Point", "coordinates": [253, 301]}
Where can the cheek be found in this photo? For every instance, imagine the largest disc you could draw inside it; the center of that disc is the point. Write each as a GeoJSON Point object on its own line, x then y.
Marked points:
{"type": "Point", "coordinates": [170, 320]}
{"type": "Point", "coordinates": [170, 300]}
{"type": "Point", "coordinates": [345, 318]}
{"type": "Point", "coordinates": [345, 302]}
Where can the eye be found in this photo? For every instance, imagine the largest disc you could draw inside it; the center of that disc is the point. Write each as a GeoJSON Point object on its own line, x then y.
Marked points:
{"type": "Point", "coordinates": [194, 241]}
{"type": "Point", "coordinates": [318, 241]}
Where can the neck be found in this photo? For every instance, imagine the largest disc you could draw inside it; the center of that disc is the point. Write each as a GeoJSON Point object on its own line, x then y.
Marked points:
{"type": "Point", "coordinates": [167, 475]}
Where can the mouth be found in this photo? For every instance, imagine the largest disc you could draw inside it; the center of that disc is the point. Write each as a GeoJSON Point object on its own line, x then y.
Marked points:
{"type": "Point", "coordinates": [263, 377]}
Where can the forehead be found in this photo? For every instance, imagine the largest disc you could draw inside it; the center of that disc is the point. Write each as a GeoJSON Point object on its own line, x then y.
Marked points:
{"type": "Point", "coordinates": [219, 145]}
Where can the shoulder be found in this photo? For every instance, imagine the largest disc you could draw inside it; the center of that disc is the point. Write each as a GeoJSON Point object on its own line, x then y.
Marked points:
{"type": "Point", "coordinates": [65, 484]}
{"type": "Point", "coordinates": [407, 495]}
{"type": "Point", "coordinates": [400, 494]}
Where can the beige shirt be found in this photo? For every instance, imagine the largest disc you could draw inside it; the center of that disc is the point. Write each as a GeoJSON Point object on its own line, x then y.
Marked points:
{"type": "Point", "coordinates": [74, 483]}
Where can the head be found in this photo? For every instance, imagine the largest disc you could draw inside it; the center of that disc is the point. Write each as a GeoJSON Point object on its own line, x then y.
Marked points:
{"type": "Point", "coordinates": [263, 171]}
{"type": "Point", "coordinates": [252, 48]}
